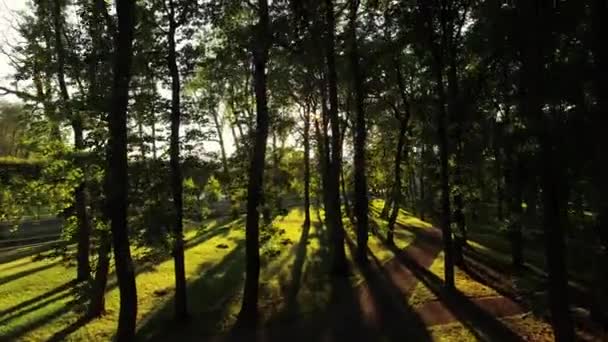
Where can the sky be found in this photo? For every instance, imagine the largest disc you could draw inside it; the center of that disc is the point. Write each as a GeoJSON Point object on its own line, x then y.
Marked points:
{"type": "Point", "coordinates": [8, 35]}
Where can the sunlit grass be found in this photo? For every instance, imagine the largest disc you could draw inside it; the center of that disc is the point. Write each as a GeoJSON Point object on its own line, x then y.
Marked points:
{"type": "Point", "coordinates": [464, 283]}
{"type": "Point", "coordinates": [42, 318]}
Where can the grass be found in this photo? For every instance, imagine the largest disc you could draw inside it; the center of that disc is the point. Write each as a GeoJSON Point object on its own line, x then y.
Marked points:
{"type": "Point", "coordinates": [39, 302]}
{"type": "Point", "coordinates": [464, 283]}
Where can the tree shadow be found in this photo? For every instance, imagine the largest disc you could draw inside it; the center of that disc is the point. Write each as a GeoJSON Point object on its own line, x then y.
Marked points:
{"type": "Point", "coordinates": [26, 273]}
{"type": "Point", "coordinates": [483, 325]}
{"type": "Point", "coordinates": [38, 298]}
{"type": "Point", "coordinates": [298, 266]}
{"type": "Point", "coordinates": [14, 334]}
{"type": "Point", "coordinates": [208, 295]}
{"type": "Point", "coordinates": [386, 305]}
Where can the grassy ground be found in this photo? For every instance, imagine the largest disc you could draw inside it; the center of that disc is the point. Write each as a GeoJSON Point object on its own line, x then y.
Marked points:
{"type": "Point", "coordinates": [39, 302]}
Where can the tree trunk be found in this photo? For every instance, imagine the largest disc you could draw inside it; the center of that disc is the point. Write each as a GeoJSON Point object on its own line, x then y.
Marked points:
{"type": "Point", "coordinates": [83, 269]}
{"type": "Point", "coordinates": [307, 166]}
{"type": "Point", "coordinates": [422, 183]}
{"type": "Point", "coordinates": [498, 173]}
{"type": "Point", "coordinates": [397, 185]}
{"type": "Point", "coordinates": [437, 68]}
{"type": "Point", "coordinates": [249, 314]}
{"type": "Point", "coordinates": [334, 212]}
{"type": "Point", "coordinates": [97, 305]}
{"type": "Point", "coordinates": [117, 171]}
{"type": "Point", "coordinates": [361, 206]}
{"type": "Point", "coordinates": [536, 50]}
{"type": "Point", "coordinates": [600, 119]}
{"type": "Point", "coordinates": [181, 303]}
{"type": "Point", "coordinates": [388, 203]}
{"type": "Point", "coordinates": [220, 137]}
{"type": "Point", "coordinates": [347, 208]}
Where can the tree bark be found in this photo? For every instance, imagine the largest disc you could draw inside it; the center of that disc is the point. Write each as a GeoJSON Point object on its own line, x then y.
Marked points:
{"type": "Point", "coordinates": [307, 166]}
{"type": "Point", "coordinates": [117, 171]}
{"type": "Point", "coordinates": [600, 119]}
{"type": "Point", "coordinates": [536, 49]}
{"type": "Point", "coordinates": [361, 206]}
{"type": "Point", "coordinates": [397, 185]}
{"type": "Point", "coordinates": [220, 137]}
{"type": "Point", "coordinates": [422, 183]}
{"type": "Point", "coordinates": [83, 270]}
{"type": "Point", "coordinates": [181, 303]}
{"type": "Point", "coordinates": [437, 68]}
{"type": "Point", "coordinates": [334, 212]}
{"type": "Point", "coordinates": [97, 305]}
{"type": "Point", "coordinates": [249, 314]}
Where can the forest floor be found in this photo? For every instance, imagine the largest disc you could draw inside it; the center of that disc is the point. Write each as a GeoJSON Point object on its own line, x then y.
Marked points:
{"type": "Point", "coordinates": [397, 296]}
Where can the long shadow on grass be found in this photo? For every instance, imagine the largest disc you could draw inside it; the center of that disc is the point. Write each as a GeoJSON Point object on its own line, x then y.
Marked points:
{"type": "Point", "coordinates": [208, 298]}
{"type": "Point", "coordinates": [298, 266]}
{"type": "Point", "coordinates": [26, 273]}
{"type": "Point", "coordinates": [36, 299]}
{"type": "Point", "coordinates": [385, 305]}
{"type": "Point", "coordinates": [483, 325]}
{"type": "Point", "coordinates": [51, 296]}
{"type": "Point", "coordinates": [39, 321]}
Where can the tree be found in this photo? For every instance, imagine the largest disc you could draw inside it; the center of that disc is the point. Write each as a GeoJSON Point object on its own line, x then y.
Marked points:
{"type": "Point", "coordinates": [248, 314]}
{"type": "Point", "coordinates": [84, 230]}
{"type": "Point", "coordinates": [117, 170]}
{"type": "Point", "coordinates": [333, 210]}
{"type": "Point", "coordinates": [361, 202]}
{"type": "Point", "coordinates": [181, 308]}
{"type": "Point", "coordinates": [537, 46]}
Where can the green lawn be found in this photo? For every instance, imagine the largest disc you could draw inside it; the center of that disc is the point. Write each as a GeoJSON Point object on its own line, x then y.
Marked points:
{"type": "Point", "coordinates": [39, 302]}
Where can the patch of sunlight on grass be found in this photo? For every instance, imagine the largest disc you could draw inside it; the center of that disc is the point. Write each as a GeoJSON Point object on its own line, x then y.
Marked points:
{"type": "Point", "coordinates": [452, 332]}
{"type": "Point", "coordinates": [411, 221]}
{"type": "Point", "coordinates": [465, 284]}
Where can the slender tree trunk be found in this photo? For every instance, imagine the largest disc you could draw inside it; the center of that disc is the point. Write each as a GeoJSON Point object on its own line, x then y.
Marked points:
{"type": "Point", "coordinates": [513, 180]}
{"type": "Point", "coordinates": [334, 214]}
{"type": "Point", "coordinates": [498, 173]}
{"type": "Point", "coordinates": [600, 119]}
{"type": "Point", "coordinates": [181, 302]}
{"type": "Point", "coordinates": [154, 152]}
{"type": "Point", "coordinates": [361, 207]}
{"type": "Point", "coordinates": [347, 208]}
{"type": "Point", "coordinates": [220, 137]}
{"type": "Point", "coordinates": [83, 231]}
{"type": "Point", "coordinates": [422, 183]}
{"type": "Point", "coordinates": [97, 305]}
{"type": "Point", "coordinates": [307, 166]}
{"type": "Point", "coordinates": [142, 144]}
{"type": "Point", "coordinates": [397, 184]}
{"type": "Point", "coordinates": [323, 151]}
{"type": "Point", "coordinates": [437, 67]}
{"type": "Point", "coordinates": [537, 47]}
{"type": "Point", "coordinates": [249, 314]}
{"type": "Point", "coordinates": [388, 203]}
{"type": "Point", "coordinates": [117, 171]}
